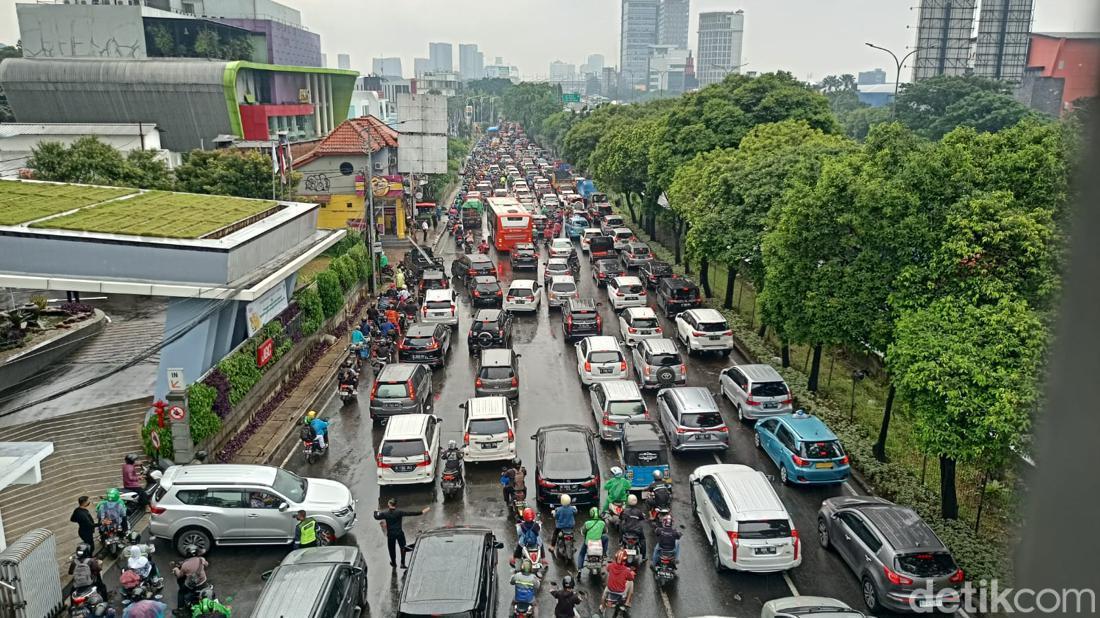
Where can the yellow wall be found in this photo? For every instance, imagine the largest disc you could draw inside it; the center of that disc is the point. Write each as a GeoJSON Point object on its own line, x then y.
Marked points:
{"type": "Point", "coordinates": [335, 214]}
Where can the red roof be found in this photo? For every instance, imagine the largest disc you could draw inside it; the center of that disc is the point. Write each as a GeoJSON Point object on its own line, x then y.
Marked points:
{"type": "Point", "coordinates": [352, 137]}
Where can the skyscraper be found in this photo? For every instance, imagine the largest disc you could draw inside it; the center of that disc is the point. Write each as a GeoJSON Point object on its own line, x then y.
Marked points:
{"type": "Point", "coordinates": [595, 63]}
{"type": "Point", "coordinates": [439, 57]}
{"type": "Point", "coordinates": [421, 66]}
{"type": "Point", "coordinates": [389, 66]}
{"type": "Point", "coordinates": [562, 71]}
{"type": "Point", "coordinates": [637, 31]}
{"type": "Point", "coordinates": [343, 61]}
{"type": "Point", "coordinates": [720, 37]}
{"type": "Point", "coordinates": [471, 62]}
{"type": "Point", "coordinates": [672, 23]}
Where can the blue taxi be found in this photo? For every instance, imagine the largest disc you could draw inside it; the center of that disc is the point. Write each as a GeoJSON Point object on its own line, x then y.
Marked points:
{"type": "Point", "coordinates": [803, 448]}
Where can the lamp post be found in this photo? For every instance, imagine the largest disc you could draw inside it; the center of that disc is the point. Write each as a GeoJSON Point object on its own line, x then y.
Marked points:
{"type": "Point", "coordinates": [727, 70]}
{"type": "Point", "coordinates": [897, 75]}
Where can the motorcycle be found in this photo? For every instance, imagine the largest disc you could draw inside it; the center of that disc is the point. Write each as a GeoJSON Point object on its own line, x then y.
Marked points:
{"type": "Point", "coordinates": [87, 602]}
{"type": "Point", "coordinates": [110, 537]}
{"type": "Point", "coordinates": [614, 514]}
{"type": "Point", "coordinates": [312, 450]}
{"type": "Point", "coordinates": [534, 554]}
{"type": "Point", "coordinates": [593, 561]}
{"type": "Point", "coordinates": [614, 604]}
{"type": "Point", "coordinates": [134, 588]}
{"type": "Point", "coordinates": [665, 569]}
{"type": "Point", "coordinates": [631, 544]}
{"type": "Point", "coordinates": [347, 393]}
{"type": "Point", "coordinates": [522, 610]}
{"type": "Point", "coordinates": [191, 597]}
{"type": "Point", "coordinates": [452, 481]}
{"type": "Point", "coordinates": [565, 544]}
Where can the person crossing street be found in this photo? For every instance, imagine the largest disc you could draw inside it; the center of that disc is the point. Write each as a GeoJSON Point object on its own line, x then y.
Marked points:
{"type": "Point", "coordinates": [390, 520]}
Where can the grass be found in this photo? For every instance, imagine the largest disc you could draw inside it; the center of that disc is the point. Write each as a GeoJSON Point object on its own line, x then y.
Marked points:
{"type": "Point", "coordinates": [21, 202]}
{"type": "Point", "coordinates": [162, 214]}
{"type": "Point", "coordinates": [308, 273]}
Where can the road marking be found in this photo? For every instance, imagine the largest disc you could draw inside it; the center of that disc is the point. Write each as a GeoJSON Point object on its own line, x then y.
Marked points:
{"type": "Point", "coordinates": [790, 584]}
{"type": "Point", "coordinates": [667, 604]}
{"type": "Point", "coordinates": [850, 489]}
{"type": "Point", "coordinates": [717, 459]}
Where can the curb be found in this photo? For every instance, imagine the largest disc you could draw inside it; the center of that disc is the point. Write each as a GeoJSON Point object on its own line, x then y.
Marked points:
{"type": "Point", "coordinates": [286, 444]}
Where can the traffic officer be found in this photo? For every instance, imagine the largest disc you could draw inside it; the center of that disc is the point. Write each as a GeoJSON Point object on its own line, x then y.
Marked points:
{"type": "Point", "coordinates": [305, 533]}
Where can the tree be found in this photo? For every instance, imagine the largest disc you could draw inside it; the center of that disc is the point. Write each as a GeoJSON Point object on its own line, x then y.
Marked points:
{"type": "Point", "coordinates": [857, 122]}
{"type": "Point", "coordinates": [621, 159]}
{"type": "Point", "coordinates": [934, 107]}
{"type": "Point", "coordinates": [8, 51]}
{"type": "Point", "coordinates": [230, 172]}
{"type": "Point", "coordinates": [529, 103]}
{"type": "Point", "coordinates": [91, 161]}
{"type": "Point", "coordinates": [554, 127]}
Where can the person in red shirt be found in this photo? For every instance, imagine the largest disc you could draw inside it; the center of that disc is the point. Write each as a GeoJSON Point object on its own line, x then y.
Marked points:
{"type": "Point", "coordinates": [620, 578]}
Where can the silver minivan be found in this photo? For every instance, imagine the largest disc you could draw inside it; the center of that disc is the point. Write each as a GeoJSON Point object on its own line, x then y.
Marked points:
{"type": "Point", "coordinates": [691, 420]}
{"type": "Point", "coordinates": [756, 391]}
{"type": "Point", "coordinates": [497, 373]}
{"type": "Point", "coordinates": [613, 403]}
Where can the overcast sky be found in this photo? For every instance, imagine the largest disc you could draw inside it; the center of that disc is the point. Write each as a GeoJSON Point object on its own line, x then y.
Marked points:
{"type": "Point", "coordinates": [810, 38]}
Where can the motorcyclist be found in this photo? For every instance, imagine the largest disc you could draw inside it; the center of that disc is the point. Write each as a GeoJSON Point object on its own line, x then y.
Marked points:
{"type": "Point", "coordinates": [112, 512]}
{"type": "Point", "coordinates": [595, 529]}
{"type": "Point", "coordinates": [617, 488]}
{"type": "Point", "coordinates": [452, 458]}
{"type": "Point", "coordinates": [483, 246]}
{"type": "Point", "coordinates": [348, 378]}
{"type": "Point", "coordinates": [660, 492]}
{"type": "Point", "coordinates": [620, 579]}
{"type": "Point", "coordinates": [87, 571]}
{"type": "Point", "coordinates": [208, 606]}
{"type": "Point", "coordinates": [519, 481]}
{"type": "Point", "coordinates": [145, 549]}
{"type": "Point", "coordinates": [190, 575]}
{"type": "Point", "coordinates": [565, 518]}
{"type": "Point", "coordinates": [507, 483]}
{"type": "Point", "coordinates": [133, 480]}
{"type": "Point", "coordinates": [526, 583]}
{"type": "Point", "coordinates": [319, 426]}
{"type": "Point", "coordinates": [528, 532]}
{"type": "Point", "coordinates": [632, 522]}
{"type": "Point", "coordinates": [667, 540]}
{"type": "Point", "coordinates": [567, 598]}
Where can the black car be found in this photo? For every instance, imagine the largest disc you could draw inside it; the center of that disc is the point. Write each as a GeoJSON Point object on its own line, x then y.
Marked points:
{"type": "Point", "coordinates": [485, 291]}
{"type": "Point", "coordinates": [601, 247]}
{"type": "Point", "coordinates": [580, 318]}
{"type": "Point", "coordinates": [490, 328]}
{"type": "Point", "coordinates": [467, 556]}
{"type": "Point", "coordinates": [676, 295]}
{"type": "Point", "coordinates": [565, 463]}
{"type": "Point", "coordinates": [417, 261]}
{"type": "Point", "coordinates": [425, 343]}
{"type": "Point", "coordinates": [653, 271]}
{"type": "Point", "coordinates": [433, 279]}
{"type": "Point", "coordinates": [315, 583]}
{"type": "Point", "coordinates": [465, 267]}
{"type": "Point", "coordinates": [605, 269]}
{"type": "Point", "coordinates": [524, 255]}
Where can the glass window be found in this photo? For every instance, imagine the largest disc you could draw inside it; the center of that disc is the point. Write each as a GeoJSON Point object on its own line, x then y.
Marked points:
{"type": "Point", "coordinates": [486, 426]}
{"type": "Point", "coordinates": [402, 448]}
{"type": "Point", "coordinates": [714, 494]}
{"type": "Point", "coordinates": [628, 408]}
{"type": "Point", "coordinates": [785, 437]}
{"type": "Point", "coordinates": [605, 356]}
{"type": "Point", "coordinates": [766, 529]}
{"type": "Point", "coordinates": [713, 327]}
{"type": "Point", "coordinates": [335, 601]}
{"type": "Point", "coordinates": [224, 498]}
{"type": "Point", "coordinates": [290, 485]}
{"type": "Point", "coordinates": [929, 564]}
{"type": "Point", "coordinates": [860, 529]}
{"type": "Point", "coordinates": [263, 500]}
{"type": "Point", "coordinates": [701, 420]}
{"type": "Point", "coordinates": [770, 424]}
{"type": "Point", "coordinates": [829, 449]}
{"type": "Point", "coordinates": [391, 391]}
{"type": "Point", "coordinates": [190, 496]}
{"type": "Point", "coordinates": [664, 360]}
{"type": "Point", "coordinates": [769, 389]}
{"type": "Point", "coordinates": [496, 373]}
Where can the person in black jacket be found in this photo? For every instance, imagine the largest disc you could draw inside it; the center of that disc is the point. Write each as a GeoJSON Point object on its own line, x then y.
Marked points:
{"type": "Point", "coordinates": [84, 521]}
{"type": "Point", "coordinates": [395, 535]}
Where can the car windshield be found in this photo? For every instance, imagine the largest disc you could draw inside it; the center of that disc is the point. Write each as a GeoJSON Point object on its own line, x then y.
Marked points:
{"type": "Point", "coordinates": [683, 292]}
{"type": "Point", "coordinates": [438, 304]}
{"type": "Point", "coordinates": [557, 267]}
{"type": "Point", "coordinates": [402, 448]}
{"type": "Point", "coordinates": [664, 360]}
{"type": "Point", "coordinates": [487, 287]}
{"type": "Point", "coordinates": [767, 529]}
{"type": "Point", "coordinates": [640, 250]}
{"type": "Point", "coordinates": [701, 420]}
{"type": "Point", "coordinates": [927, 564]}
{"type": "Point", "coordinates": [486, 426]}
{"type": "Point", "coordinates": [526, 291]}
{"type": "Point", "coordinates": [631, 288]}
{"type": "Point", "coordinates": [563, 287]}
{"type": "Point", "coordinates": [626, 408]}
{"type": "Point", "coordinates": [478, 326]}
{"type": "Point", "coordinates": [290, 485]}
{"type": "Point", "coordinates": [658, 268]}
{"type": "Point", "coordinates": [605, 356]}
{"type": "Point", "coordinates": [417, 342]}
{"type": "Point", "coordinates": [644, 322]}
{"type": "Point", "coordinates": [607, 266]}
{"type": "Point", "coordinates": [828, 449]}
{"type": "Point", "coordinates": [496, 373]}
{"type": "Point", "coordinates": [391, 391]}
{"type": "Point", "coordinates": [713, 327]}
{"type": "Point", "coordinates": [769, 389]}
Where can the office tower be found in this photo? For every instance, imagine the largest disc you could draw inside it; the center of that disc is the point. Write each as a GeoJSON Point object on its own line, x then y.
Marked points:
{"type": "Point", "coordinates": [421, 66]}
{"type": "Point", "coordinates": [389, 65]}
{"type": "Point", "coordinates": [562, 71]}
{"type": "Point", "coordinates": [638, 30]}
{"type": "Point", "coordinates": [471, 62]}
{"type": "Point", "coordinates": [672, 23]}
{"type": "Point", "coordinates": [439, 57]}
{"type": "Point", "coordinates": [874, 76]}
{"type": "Point", "coordinates": [343, 61]}
{"type": "Point", "coordinates": [719, 48]}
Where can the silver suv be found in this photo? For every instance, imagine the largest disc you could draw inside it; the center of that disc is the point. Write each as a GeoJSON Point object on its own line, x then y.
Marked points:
{"type": "Point", "coordinates": [658, 364]}
{"type": "Point", "coordinates": [756, 391]}
{"type": "Point", "coordinates": [691, 420]}
{"type": "Point", "coordinates": [232, 504]}
{"type": "Point", "coordinates": [895, 555]}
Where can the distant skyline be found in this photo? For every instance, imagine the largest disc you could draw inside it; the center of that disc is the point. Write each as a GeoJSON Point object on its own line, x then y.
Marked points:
{"type": "Point", "coordinates": [809, 38]}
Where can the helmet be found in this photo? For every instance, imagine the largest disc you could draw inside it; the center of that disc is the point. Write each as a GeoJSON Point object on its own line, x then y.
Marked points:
{"type": "Point", "coordinates": [312, 414]}
{"type": "Point", "coordinates": [113, 495]}
{"type": "Point", "coordinates": [616, 471]}
{"type": "Point", "coordinates": [565, 499]}
{"type": "Point", "coordinates": [567, 582]}
{"type": "Point", "coordinates": [666, 521]}
{"type": "Point", "coordinates": [632, 500]}
{"type": "Point", "coordinates": [593, 513]}
{"type": "Point", "coordinates": [133, 537]}
{"type": "Point", "coordinates": [191, 551]}
{"type": "Point", "coordinates": [528, 514]}
{"type": "Point", "coordinates": [452, 444]}
{"type": "Point", "coordinates": [131, 458]}
{"type": "Point", "coordinates": [526, 567]}
{"type": "Point", "coordinates": [620, 556]}
{"type": "Point", "coordinates": [83, 550]}
{"type": "Point", "coordinates": [658, 475]}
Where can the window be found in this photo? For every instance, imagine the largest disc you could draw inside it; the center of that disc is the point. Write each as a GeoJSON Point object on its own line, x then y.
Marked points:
{"type": "Point", "coordinates": [738, 378]}
{"type": "Point", "coordinates": [664, 359]}
{"type": "Point", "coordinates": [598, 395]}
{"type": "Point", "coordinates": [340, 584]}
{"type": "Point", "coordinates": [769, 389]}
{"type": "Point", "coordinates": [829, 449]}
{"type": "Point", "coordinates": [626, 408]}
{"type": "Point", "coordinates": [263, 500]}
{"type": "Point", "coordinates": [290, 485]}
{"type": "Point", "coordinates": [714, 494]}
{"type": "Point", "coordinates": [190, 496]}
{"type": "Point", "coordinates": [402, 448]}
{"type": "Point", "coordinates": [488, 426]}
{"type": "Point", "coordinates": [858, 528]}
{"type": "Point", "coordinates": [770, 425]}
{"type": "Point", "coordinates": [496, 373]}
{"type": "Point", "coordinates": [785, 437]}
{"type": "Point", "coordinates": [224, 498]}
{"type": "Point", "coordinates": [701, 420]}
{"type": "Point", "coordinates": [605, 356]}
{"type": "Point", "coordinates": [766, 529]}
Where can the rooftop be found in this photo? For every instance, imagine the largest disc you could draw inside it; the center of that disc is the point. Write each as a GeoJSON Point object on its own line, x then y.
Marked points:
{"type": "Point", "coordinates": [1069, 35]}
{"type": "Point", "coordinates": [13, 129]}
{"type": "Point", "coordinates": [21, 202]}
{"type": "Point", "coordinates": [354, 136]}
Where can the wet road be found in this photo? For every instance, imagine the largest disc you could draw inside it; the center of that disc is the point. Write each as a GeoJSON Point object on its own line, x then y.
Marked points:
{"type": "Point", "coordinates": [550, 393]}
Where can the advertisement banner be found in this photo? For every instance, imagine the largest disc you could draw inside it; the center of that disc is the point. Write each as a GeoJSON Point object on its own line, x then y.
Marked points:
{"type": "Point", "coordinates": [265, 308]}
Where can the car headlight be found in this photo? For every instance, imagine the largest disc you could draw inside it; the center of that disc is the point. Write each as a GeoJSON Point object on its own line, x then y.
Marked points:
{"type": "Point", "coordinates": [342, 512]}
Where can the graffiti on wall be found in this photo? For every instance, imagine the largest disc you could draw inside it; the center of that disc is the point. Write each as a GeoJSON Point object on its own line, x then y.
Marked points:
{"type": "Point", "coordinates": [316, 183]}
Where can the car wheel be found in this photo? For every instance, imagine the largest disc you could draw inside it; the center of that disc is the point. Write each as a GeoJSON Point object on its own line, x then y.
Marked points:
{"type": "Point", "coordinates": [783, 476]}
{"type": "Point", "coordinates": [741, 415]}
{"type": "Point", "coordinates": [325, 535]}
{"type": "Point", "coordinates": [756, 440]}
{"type": "Point", "coordinates": [726, 353]}
{"type": "Point", "coordinates": [718, 567]}
{"type": "Point", "coordinates": [870, 595]}
{"type": "Point", "coordinates": [822, 533]}
{"type": "Point", "coordinates": [194, 536]}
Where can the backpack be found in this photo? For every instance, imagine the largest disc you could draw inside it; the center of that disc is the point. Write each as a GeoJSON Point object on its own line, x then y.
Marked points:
{"type": "Point", "coordinates": [307, 434]}
{"type": "Point", "coordinates": [129, 579]}
{"type": "Point", "coordinates": [82, 574]}
{"type": "Point", "coordinates": [529, 537]}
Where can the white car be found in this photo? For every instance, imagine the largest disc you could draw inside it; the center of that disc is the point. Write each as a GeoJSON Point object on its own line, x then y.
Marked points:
{"type": "Point", "coordinates": [408, 453]}
{"type": "Point", "coordinates": [522, 295]}
{"type": "Point", "coordinates": [626, 292]}
{"type": "Point", "coordinates": [560, 289]}
{"type": "Point", "coordinates": [587, 235]}
{"type": "Point", "coordinates": [638, 323]}
{"type": "Point", "coordinates": [746, 523]}
{"type": "Point", "coordinates": [600, 358]}
{"type": "Point", "coordinates": [561, 247]}
{"type": "Point", "coordinates": [488, 430]}
{"type": "Point", "coordinates": [623, 236]}
{"type": "Point", "coordinates": [439, 308]}
{"type": "Point", "coordinates": [704, 330]}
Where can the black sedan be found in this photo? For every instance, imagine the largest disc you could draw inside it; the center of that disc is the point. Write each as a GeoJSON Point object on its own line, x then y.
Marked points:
{"type": "Point", "coordinates": [485, 291]}
{"type": "Point", "coordinates": [565, 463]}
{"type": "Point", "coordinates": [425, 343]}
{"type": "Point", "coordinates": [524, 255]}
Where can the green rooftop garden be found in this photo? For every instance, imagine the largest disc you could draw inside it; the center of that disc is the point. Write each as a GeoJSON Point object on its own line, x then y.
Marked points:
{"type": "Point", "coordinates": [162, 214]}
{"type": "Point", "coordinates": [21, 202]}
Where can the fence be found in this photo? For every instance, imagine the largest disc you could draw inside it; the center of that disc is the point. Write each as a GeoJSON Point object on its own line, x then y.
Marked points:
{"type": "Point", "coordinates": [29, 586]}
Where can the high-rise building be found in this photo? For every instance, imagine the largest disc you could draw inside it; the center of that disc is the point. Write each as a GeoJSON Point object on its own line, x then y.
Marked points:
{"type": "Point", "coordinates": [388, 65]}
{"type": "Point", "coordinates": [609, 83]}
{"type": "Point", "coordinates": [874, 76]}
{"type": "Point", "coordinates": [637, 31]}
{"type": "Point", "coordinates": [421, 66]}
{"type": "Point", "coordinates": [562, 71]}
{"type": "Point", "coordinates": [1004, 30]}
{"type": "Point", "coordinates": [324, 60]}
{"type": "Point", "coordinates": [673, 17]}
{"type": "Point", "coordinates": [593, 66]}
{"type": "Point", "coordinates": [667, 68]}
{"type": "Point", "coordinates": [343, 61]}
{"type": "Point", "coordinates": [719, 48]}
{"type": "Point", "coordinates": [471, 62]}
{"type": "Point", "coordinates": [944, 28]}
{"type": "Point", "coordinates": [440, 57]}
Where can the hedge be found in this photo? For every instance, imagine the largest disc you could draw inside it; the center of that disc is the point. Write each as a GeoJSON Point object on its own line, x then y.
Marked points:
{"type": "Point", "coordinates": [346, 271]}
{"type": "Point", "coordinates": [361, 258]}
{"type": "Point", "coordinates": [312, 314]}
{"type": "Point", "coordinates": [328, 286]}
{"type": "Point", "coordinates": [200, 403]}
{"type": "Point", "coordinates": [166, 448]}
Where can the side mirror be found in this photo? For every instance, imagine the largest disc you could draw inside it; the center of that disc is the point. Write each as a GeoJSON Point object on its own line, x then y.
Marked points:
{"type": "Point", "coordinates": [462, 405]}
{"type": "Point", "coordinates": [267, 575]}
{"type": "Point", "coordinates": [535, 437]}
{"type": "Point", "coordinates": [283, 506]}
{"type": "Point", "coordinates": [498, 545]}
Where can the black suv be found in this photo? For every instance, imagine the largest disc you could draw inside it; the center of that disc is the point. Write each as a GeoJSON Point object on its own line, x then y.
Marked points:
{"type": "Point", "coordinates": [653, 271]}
{"type": "Point", "coordinates": [490, 328]}
{"type": "Point", "coordinates": [565, 463]}
{"type": "Point", "coordinates": [524, 255]}
{"type": "Point", "coordinates": [579, 318]}
{"type": "Point", "coordinates": [485, 291]}
{"type": "Point", "coordinates": [465, 267]}
{"type": "Point", "coordinates": [603, 270]}
{"type": "Point", "coordinates": [676, 295]}
{"type": "Point", "coordinates": [416, 262]}
{"type": "Point", "coordinates": [432, 279]}
{"type": "Point", "coordinates": [468, 555]}
{"type": "Point", "coordinates": [425, 343]}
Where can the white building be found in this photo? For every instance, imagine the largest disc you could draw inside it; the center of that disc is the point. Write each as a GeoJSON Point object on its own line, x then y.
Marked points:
{"type": "Point", "coordinates": [666, 68]}
{"type": "Point", "coordinates": [719, 50]}
{"type": "Point", "coordinates": [446, 82]}
{"type": "Point", "coordinates": [18, 139]}
{"type": "Point", "coordinates": [421, 66]}
{"type": "Point", "coordinates": [368, 103]}
{"type": "Point", "coordinates": [389, 66]}
{"type": "Point", "coordinates": [637, 31]}
{"type": "Point", "coordinates": [471, 62]}
{"type": "Point", "coordinates": [343, 61]}
{"type": "Point", "coordinates": [562, 71]}
{"type": "Point", "coordinates": [440, 57]}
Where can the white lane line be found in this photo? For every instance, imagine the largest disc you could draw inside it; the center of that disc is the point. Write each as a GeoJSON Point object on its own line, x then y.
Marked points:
{"type": "Point", "coordinates": [850, 489]}
{"type": "Point", "coordinates": [667, 604]}
{"type": "Point", "coordinates": [790, 584]}
{"type": "Point", "coordinates": [717, 459]}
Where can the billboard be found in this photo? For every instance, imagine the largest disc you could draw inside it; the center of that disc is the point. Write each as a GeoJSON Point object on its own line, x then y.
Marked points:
{"type": "Point", "coordinates": [1004, 31]}
{"type": "Point", "coordinates": [943, 38]}
{"type": "Point", "coordinates": [422, 145]}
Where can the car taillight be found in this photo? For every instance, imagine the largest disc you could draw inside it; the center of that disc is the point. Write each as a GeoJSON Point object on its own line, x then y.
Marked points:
{"type": "Point", "coordinates": [471, 272]}
{"type": "Point", "coordinates": [696, 333]}
{"type": "Point", "coordinates": [631, 330]}
{"type": "Point", "coordinates": [642, 293]}
{"type": "Point", "coordinates": [511, 436]}
{"type": "Point", "coordinates": [378, 462]}
{"type": "Point", "coordinates": [957, 577]}
{"type": "Point", "coordinates": [646, 370]}
{"type": "Point", "coordinates": [452, 310]}
{"type": "Point", "coordinates": [844, 460]}
{"type": "Point", "coordinates": [720, 429]}
{"type": "Point", "coordinates": [434, 345]}
{"type": "Point", "coordinates": [374, 391]}
{"type": "Point", "coordinates": [788, 401]}
{"type": "Point", "coordinates": [733, 543]}
{"type": "Point", "coordinates": [728, 333]}
{"type": "Point", "coordinates": [476, 293]}
{"type": "Point", "coordinates": [424, 310]}
{"type": "Point", "coordinates": [587, 366]}
{"type": "Point", "coordinates": [509, 297]}
{"type": "Point", "coordinates": [601, 275]}
{"type": "Point", "coordinates": [466, 438]}
{"type": "Point", "coordinates": [619, 293]}
{"type": "Point", "coordinates": [797, 542]}
{"type": "Point", "coordinates": [800, 462]}
{"type": "Point", "coordinates": [752, 402]}
{"type": "Point", "coordinates": [599, 322]}
{"type": "Point", "coordinates": [412, 390]}
{"type": "Point", "coordinates": [478, 383]}
{"type": "Point", "coordinates": [592, 482]}
{"type": "Point", "coordinates": [427, 460]}
{"type": "Point", "coordinates": [622, 365]}
{"type": "Point", "coordinates": [403, 345]}
{"type": "Point", "coordinates": [515, 381]}
{"type": "Point", "coordinates": [683, 369]}
{"type": "Point", "coordinates": [607, 420]}
{"type": "Point", "coordinates": [569, 320]}
{"type": "Point", "coordinates": [544, 483]}
{"type": "Point", "coordinates": [896, 578]}
{"type": "Point", "coordinates": [498, 293]}
{"type": "Point", "coordinates": [157, 510]}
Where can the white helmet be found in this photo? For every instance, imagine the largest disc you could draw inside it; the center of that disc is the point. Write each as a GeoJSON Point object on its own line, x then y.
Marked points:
{"type": "Point", "coordinates": [632, 500]}
{"type": "Point", "coordinates": [616, 471]}
{"type": "Point", "coordinates": [565, 499]}
{"type": "Point", "coordinates": [451, 444]}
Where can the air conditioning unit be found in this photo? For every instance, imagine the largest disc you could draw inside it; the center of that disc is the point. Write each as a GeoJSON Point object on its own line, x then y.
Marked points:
{"type": "Point", "coordinates": [378, 167]}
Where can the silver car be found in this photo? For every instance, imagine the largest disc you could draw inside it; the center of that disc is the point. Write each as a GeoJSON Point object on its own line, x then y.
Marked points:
{"type": "Point", "coordinates": [691, 420]}
{"type": "Point", "coordinates": [658, 364]}
{"type": "Point", "coordinates": [756, 391]}
{"type": "Point", "coordinates": [895, 555]}
{"type": "Point", "coordinates": [561, 288]}
{"type": "Point", "coordinates": [233, 504]}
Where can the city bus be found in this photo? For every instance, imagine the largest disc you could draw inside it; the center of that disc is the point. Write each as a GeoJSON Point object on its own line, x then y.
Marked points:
{"type": "Point", "coordinates": [509, 223]}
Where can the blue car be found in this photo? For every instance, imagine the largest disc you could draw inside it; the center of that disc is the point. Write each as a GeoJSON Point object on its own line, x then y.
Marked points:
{"type": "Point", "coordinates": [575, 227]}
{"type": "Point", "coordinates": [803, 448]}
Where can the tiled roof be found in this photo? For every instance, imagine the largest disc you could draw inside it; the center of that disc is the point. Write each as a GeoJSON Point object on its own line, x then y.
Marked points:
{"type": "Point", "coordinates": [353, 137]}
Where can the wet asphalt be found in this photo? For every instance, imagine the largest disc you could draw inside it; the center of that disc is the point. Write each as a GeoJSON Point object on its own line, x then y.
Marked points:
{"type": "Point", "coordinates": [550, 393]}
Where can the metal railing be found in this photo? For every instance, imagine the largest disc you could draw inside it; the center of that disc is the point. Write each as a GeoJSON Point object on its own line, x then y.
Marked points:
{"type": "Point", "coordinates": [29, 586]}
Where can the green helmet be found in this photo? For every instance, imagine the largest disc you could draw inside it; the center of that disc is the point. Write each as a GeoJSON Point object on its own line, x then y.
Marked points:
{"type": "Point", "coordinates": [113, 495]}
{"type": "Point", "coordinates": [593, 513]}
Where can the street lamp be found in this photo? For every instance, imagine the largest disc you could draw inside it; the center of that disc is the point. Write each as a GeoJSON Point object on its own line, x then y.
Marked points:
{"type": "Point", "coordinates": [897, 76]}
{"type": "Point", "coordinates": [727, 70]}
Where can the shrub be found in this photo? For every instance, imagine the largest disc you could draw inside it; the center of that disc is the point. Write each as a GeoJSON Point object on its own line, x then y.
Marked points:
{"type": "Point", "coordinates": [361, 258]}
{"type": "Point", "coordinates": [241, 370]}
{"type": "Point", "coordinates": [204, 423]}
{"type": "Point", "coordinates": [217, 380]}
{"type": "Point", "coordinates": [346, 270]}
{"type": "Point", "coordinates": [166, 448]}
{"type": "Point", "coordinates": [328, 287]}
{"type": "Point", "coordinates": [313, 315]}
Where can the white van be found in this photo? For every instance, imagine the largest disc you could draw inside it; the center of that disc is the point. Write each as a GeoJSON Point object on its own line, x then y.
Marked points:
{"type": "Point", "coordinates": [408, 451]}
{"type": "Point", "coordinates": [488, 430]}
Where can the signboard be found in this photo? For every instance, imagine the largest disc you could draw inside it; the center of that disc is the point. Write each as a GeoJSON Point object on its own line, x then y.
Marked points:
{"type": "Point", "coordinates": [377, 247]}
{"type": "Point", "coordinates": [265, 352]}
{"type": "Point", "coordinates": [360, 185]}
{"type": "Point", "coordinates": [176, 413]}
{"type": "Point", "coordinates": [265, 308]}
{"type": "Point", "coordinates": [570, 97]}
{"type": "Point", "coordinates": [424, 121]}
{"type": "Point", "coordinates": [176, 383]}
{"type": "Point", "coordinates": [303, 95]}
{"type": "Point", "coordinates": [154, 439]}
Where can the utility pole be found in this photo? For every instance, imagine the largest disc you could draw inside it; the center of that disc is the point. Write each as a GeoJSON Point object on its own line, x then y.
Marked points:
{"type": "Point", "coordinates": [141, 136]}
{"type": "Point", "coordinates": [897, 75]}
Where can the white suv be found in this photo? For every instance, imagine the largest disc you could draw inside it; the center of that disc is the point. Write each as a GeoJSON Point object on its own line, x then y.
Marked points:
{"type": "Point", "coordinates": [488, 430]}
{"type": "Point", "coordinates": [638, 323]}
{"type": "Point", "coordinates": [522, 295]}
{"type": "Point", "coordinates": [560, 289]}
{"type": "Point", "coordinates": [408, 451]}
{"type": "Point", "coordinates": [626, 292]}
{"type": "Point", "coordinates": [439, 308]}
{"type": "Point", "coordinates": [704, 330]}
{"type": "Point", "coordinates": [600, 358]}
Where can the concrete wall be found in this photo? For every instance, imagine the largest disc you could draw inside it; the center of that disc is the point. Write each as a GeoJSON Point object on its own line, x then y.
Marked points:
{"type": "Point", "coordinates": [80, 31]}
{"type": "Point", "coordinates": [286, 44]}
{"type": "Point", "coordinates": [260, 253]}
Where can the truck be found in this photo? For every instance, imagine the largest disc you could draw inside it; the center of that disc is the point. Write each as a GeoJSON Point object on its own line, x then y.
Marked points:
{"type": "Point", "coordinates": [472, 210]}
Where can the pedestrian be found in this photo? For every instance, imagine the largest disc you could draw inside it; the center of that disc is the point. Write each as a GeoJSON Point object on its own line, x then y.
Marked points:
{"type": "Point", "coordinates": [85, 523]}
{"type": "Point", "coordinates": [435, 219]}
{"type": "Point", "coordinates": [305, 532]}
{"type": "Point", "coordinates": [424, 231]}
{"type": "Point", "coordinates": [395, 536]}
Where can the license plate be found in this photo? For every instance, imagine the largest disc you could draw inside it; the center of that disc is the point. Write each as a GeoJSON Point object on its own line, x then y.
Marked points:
{"type": "Point", "coordinates": [631, 298]}
{"type": "Point", "coordinates": [764, 551]}
{"type": "Point", "coordinates": [926, 602]}
{"type": "Point", "coordinates": [404, 468]}
{"type": "Point", "coordinates": [395, 404]}
{"type": "Point", "coordinates": [520, 302]}
{"type": "Point", "coordinates": [701, 436]}
{"type": "Point", "coordinates": [825, 465]}
{"type": "Point", "coordinates": [490, 444]}
{"type": "Point", "coordinates": [714, 337]}
{"type": "Point", "coordinates": [771, 406]}
{"type": "Point", "coordinates": [606, 369]}
{"type": "Point", "coordinates": [567, 487]}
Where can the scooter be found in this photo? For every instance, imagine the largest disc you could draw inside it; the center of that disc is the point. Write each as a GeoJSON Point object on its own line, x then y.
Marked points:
{"type": "Point", "coordinates": [87, 602]}
{"type": "Point", "coordinates": [312, 450]}
{"type": "Point", "coordinates": [110, 537]}
{"type": "Point", "coordinates": [630, 544]}
{"type": "Point", "coordinates": [593, 561]}
{"type": "Point", "coordinates": [134, 588]}
{"type": "Point", "coordinates": [614, 514]}
{"type": "Point", "coordinates": [565, 544]}
{"type": "Point", "coordinates": [665, 569]}
{"type": "Point", "coordinates": [191, 597]}
{"type": "Point", "coordinates": [347, 393]}
{"type": "Point", "coordinates": [452, 482]}
{"type": "Point", "coordinates": [614, 604]}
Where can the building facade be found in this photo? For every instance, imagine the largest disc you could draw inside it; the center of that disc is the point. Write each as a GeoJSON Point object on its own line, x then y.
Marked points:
{"type": "Point", "coordinates": [562, 71]}
{"type": "Point", "coordinates": [637, 31]}
{"type": "Point", "coordinates": [721, 35]}
{"type": "Point", "coordinates": [1062, 67]}
{"type": "Point", "coordinates": [440, 57]}
{"type": "Point", "coordinates": [445, 82]}
{"type": "Point", "coordinates": [421, 66]}
{"type": "Point", "coordinates": [390, 66]}
{"type": "Point", "coordinates": [874, 76]}
{"type": "Point", "coordinates": [471, 62]}
{"type": "Point", "coordinates": [667, 67]}
{"type": "Point", "coordinates": [673, 18]}
{"type": "Point", "coordinates": [343, 62]}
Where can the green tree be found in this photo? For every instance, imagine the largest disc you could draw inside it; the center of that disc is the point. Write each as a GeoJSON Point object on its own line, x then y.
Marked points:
{"type": "Point", "coordinates": [230, 172]}
{"type": "Point", "coordinates": [529, 103]}
{"type": "Point", "coordinates": [207, 44]}
{"type": "Point", "coordinates": [857, 122]}
{"type": "Point", "coordinates": [621, 159]}
{"type": "Point", "coordinates": [8, 51]}
{"type": "Point", "coordinates": [934, 107]}
{"type": "Point", "coordinates": [91, 161]}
